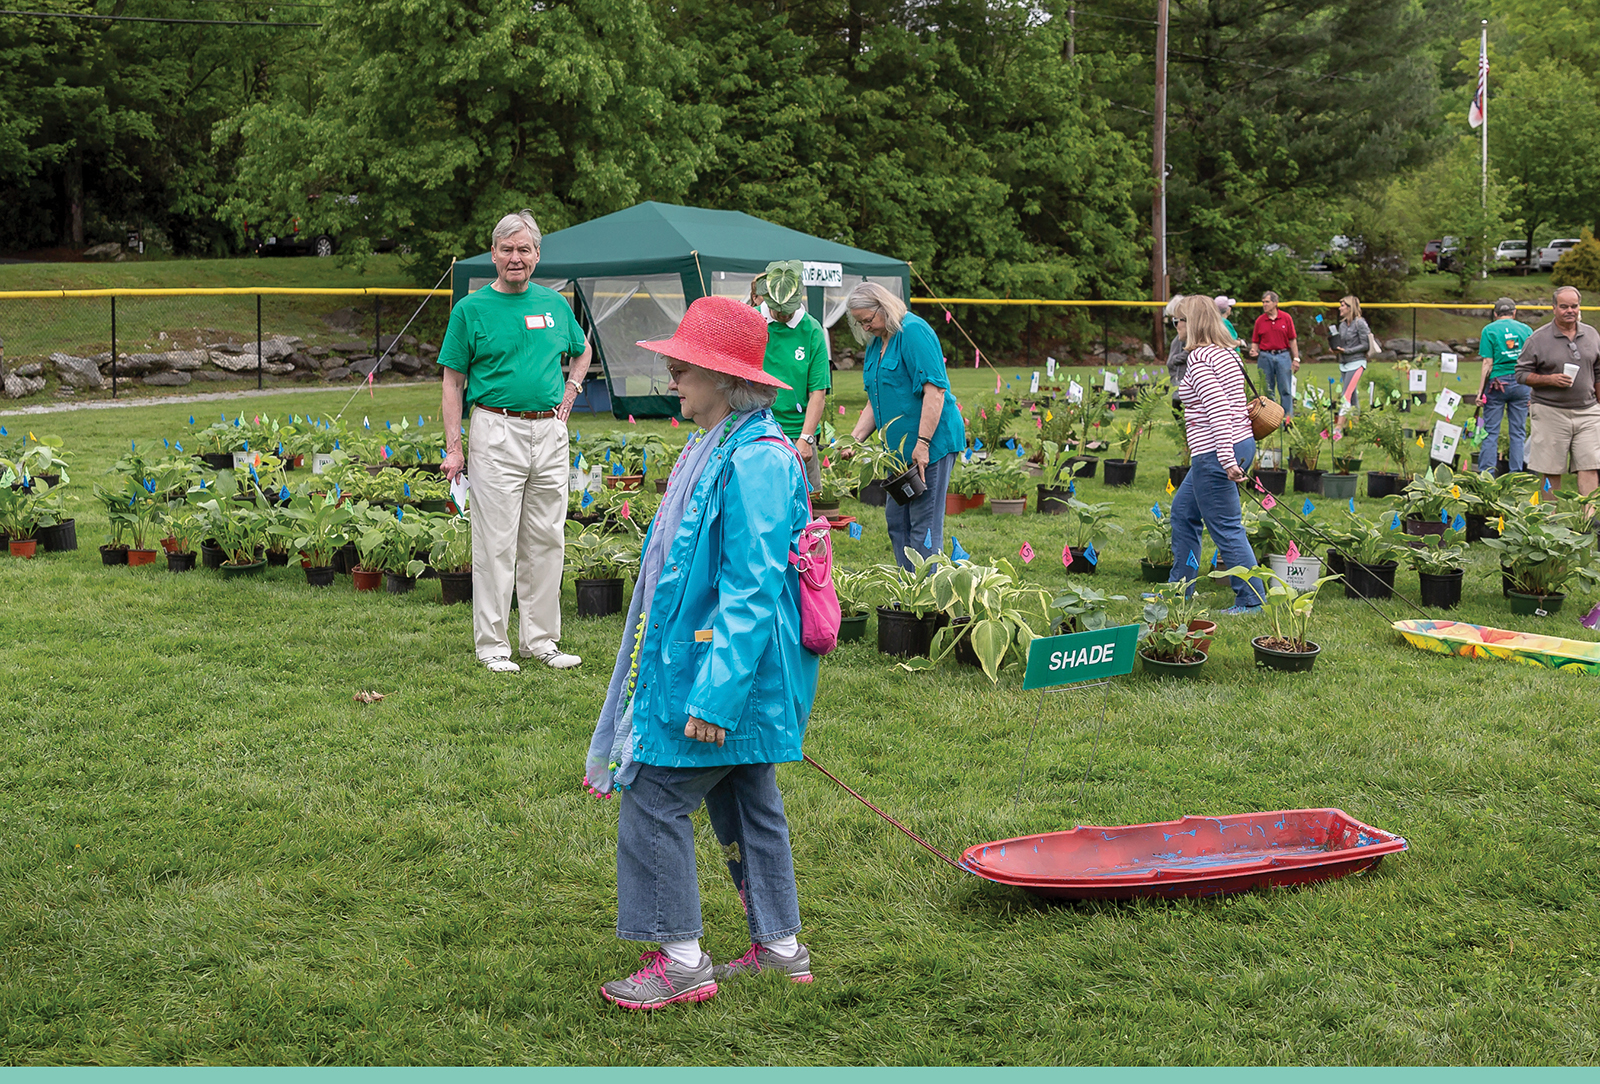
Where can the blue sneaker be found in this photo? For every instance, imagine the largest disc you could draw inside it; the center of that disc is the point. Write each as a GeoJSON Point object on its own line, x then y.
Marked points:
{"type": "Point", "coordinates": [1235, 611]}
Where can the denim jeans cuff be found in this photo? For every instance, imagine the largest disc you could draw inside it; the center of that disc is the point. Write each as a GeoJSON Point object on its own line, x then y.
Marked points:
{"type": "Point", "coordinates": [763, 938]}
{"type": "Point", "coordinates": [660, 937]}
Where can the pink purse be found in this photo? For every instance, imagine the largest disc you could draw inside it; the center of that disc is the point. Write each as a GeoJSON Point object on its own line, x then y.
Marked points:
{"type": "Point", "coordinates": [812, 558]}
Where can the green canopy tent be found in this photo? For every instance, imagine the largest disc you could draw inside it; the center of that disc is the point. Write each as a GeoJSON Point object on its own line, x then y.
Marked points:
{"type": "Point", "coordinates": [630, 276]}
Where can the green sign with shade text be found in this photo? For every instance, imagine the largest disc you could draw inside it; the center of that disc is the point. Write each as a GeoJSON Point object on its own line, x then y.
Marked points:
{"type": "Point", "coordinates": [1080, 656]}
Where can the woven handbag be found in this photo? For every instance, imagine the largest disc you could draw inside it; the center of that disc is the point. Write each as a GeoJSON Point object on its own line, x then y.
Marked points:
{"type": "Point", "coordinates": [1265, 414]}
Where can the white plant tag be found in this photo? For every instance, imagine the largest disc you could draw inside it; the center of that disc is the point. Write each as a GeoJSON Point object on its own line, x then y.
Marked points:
{"type": "Point", "coordinates": [1448, 401]}
{"type": "Point", "coordinates": [1419, 380]}
{"type": "Point", "coordinates": [1074, 392]}
{"type": "Point", "coordinates": [1113, 385]}
{"type": "Point", "coordinates": [1445, 439]}
{"type": "Point", "coordinates": [1447, 363]}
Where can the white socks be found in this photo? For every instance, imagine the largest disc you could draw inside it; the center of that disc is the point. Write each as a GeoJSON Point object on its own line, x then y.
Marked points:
{"type": "Point", "coordinates": [783, 946]}
{"type": "Point", "coordinates": [685, 953]}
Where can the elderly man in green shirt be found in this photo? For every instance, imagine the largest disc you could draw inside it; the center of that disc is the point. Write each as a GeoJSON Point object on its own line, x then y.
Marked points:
{"type": "Point", "coordinates": [1500, 393]}
{"type": "Point", "coordinates": [797, 354]}
{"type": "Point", "coordinates": [502, 361]}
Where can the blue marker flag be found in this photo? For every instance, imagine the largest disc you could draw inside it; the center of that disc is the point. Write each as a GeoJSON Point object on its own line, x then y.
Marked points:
{"type": "Point", "coordinates": [132, 447]}
{"type": "Point", "coordinates": [283, 494]}
{"type": "Point", "coordinates": [1459, 523]}
{"type": "Point", "coordinates": [247, 445]}
{"type": "Point", "coordinates": [588, 499]}
{"type": "Point", "coordinates": [253, 474]}
{"type": "Point", "coordinates": [165, 443]}
{"type": "Point", "coordinates": [927, 539]}
{"type": "Point", "coordinates": [577, 435]}
{"type": "Point", "coordinates": [1394, 524]}
{"type": "Point", "coordinates": [191, 419]}
{"type": "Point", "coordinates": [1090, 555]}
{"type": "Point", "coordinates": [1072, 488]}
{"type": "Point", "coordinates": [1444, 516]}
{"type": "Point", "coordinates": [388, 425]}
{"type": "Point", "coordinates": [1547, 485]}
{"type": "Point", "coordinates": [336, 492]}
{"type": "Point", "coordinates": [1021, 452]}
{"type": "Point", "coordinates": [956, 552]}
{"type": "Point", "coordinates": [178, 446]}
{"type": "Point", "coordinates": [407, 487]}
{"type": "Point", "coordinates": [1307, 508]}
{"type": "Point", "coordinates": [399, 511]}
{"type": "Point", "coordinates": [1192, 562]}
{"type": "Point", "coordinates": [419, 421]}
{"type": "Point", "coordinates": [616, 468]}
{"type": "Point", "coordinates": [855, 531]}
{"type": "Point", "coordinates": [1155, 509]}
{"type": "Point", "coordinates": [976, 443]}
{"type": "Point", "coordinates": [1011, 442]}
{"type": "Point", "coordinates": [3, 432]}
{"type": "Point", "coordinates": [1352, 506]}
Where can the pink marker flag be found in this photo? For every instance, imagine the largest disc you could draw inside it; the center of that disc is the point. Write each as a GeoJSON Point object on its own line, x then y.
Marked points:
{"type": "Point", "coordinates": [947, 316]}
{"type": "Point", "coordinates": [825, 461]}
{"type": "Point", "coordinates": [1038, 423]}
{"type": "Point", "coordinates": [1269, 502]}
{"type": "Point", "coordinates": [1066, 555]}
{"type": "Point", "coordinates": [1259, 487]}
{"type": "Point", "coordinates": [625, 513]}
{"type": "Point", "coordinates": [999, 384]}
{"type": "Point", "coordinates": [631, 421]}
{"type": "Point", "coordinates": [1294, 553]}
{"type": "Point", "coordinates": [674, 423]}
{"type": "Point", "coordinates": [1027, 553]}
{"type": "Point", "coordinates": [841, 410]}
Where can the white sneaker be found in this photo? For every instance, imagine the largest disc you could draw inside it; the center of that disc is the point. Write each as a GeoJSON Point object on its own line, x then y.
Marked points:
{"type": "Point", "coordinates": [556, 659]}
{"type": "Point", "coordinates": [501, 666]}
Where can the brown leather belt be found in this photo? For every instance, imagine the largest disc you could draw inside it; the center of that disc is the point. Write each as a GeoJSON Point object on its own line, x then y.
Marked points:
{"type": "Point", "coordinates": [532, 415]}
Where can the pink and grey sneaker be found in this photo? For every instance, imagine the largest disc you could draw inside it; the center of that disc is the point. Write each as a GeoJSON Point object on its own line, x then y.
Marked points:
{"type": "Point", "coordinates": [662, 981]}
{"type": "Point", "coordinates": [761, 958]}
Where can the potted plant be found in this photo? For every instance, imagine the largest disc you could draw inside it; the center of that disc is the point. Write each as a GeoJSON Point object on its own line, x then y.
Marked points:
{"type": "Point", "coordinates": [182, 520]}
{"type": "Point", "coordinates": [1542, 555]}
{"type": "Point", "coordinates": [317, 526]}
{"type": "Point", "coordinates": [598, 560]}
{"type": "Point", "coordinates": [1156, 564]}
{"type": "Point", "coordinates": [1388, 434]}
{"type": "Point", "coordinates": [1493, 497]}
{"type": "Point", "coordinates": [1088, 416]}
{"type": "Point", "coordinates": [1082, 609]}
{"type": "Point", "coordinates": [1426, 503]}
{"type": "Point", "coordinates": [1438, 567]}
{"type": "Point", "coordinates": [1055, 472]}
{"type": "Point", "coordinates": [1168, 640]}
{"type": "Point", "coordinates": [989, 614]}
{"type": "Point", "coordinates": [1087, 531]}
{"type": "Point", "coordinates": [1288, 609]}
{"type": "Point", "coordinates": [853, 587]}
{"type": "Point", "coordinates": [967, 480]}
{"type": "Point", "coordinates": [1345, 452]}
{"type": "Point", "coordinates": [17, 520]}
{"type": "Point", "coordinates": [240, 533]}
{"type": "Point", "coordinates": [908, 616]}
{"type": "Point", "coordinates": [55, 531]}
{"type": "Point", "coordinates": [1178, 471]}
{"type": "Point", "coordinates": [988, 427]}
{"type": "Point", "coordinates": [830, 493]}
{"type": "Point", "coordinates": [451, 556]}
{"type": "Point", "coordinates": [1128, 428]}
{"type": "Point", "coordinates": [1007, 484]}
{"type": "Point", "coordinates": [1304, 439]}
{"type": "Point", "coordinates": [388, 543]}
{"type": "Point", "coordinates": [1369, 554]}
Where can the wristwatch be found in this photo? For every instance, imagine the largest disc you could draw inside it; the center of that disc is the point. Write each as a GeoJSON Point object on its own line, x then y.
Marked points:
{"type": "Point", "coordinates": [810, 438]}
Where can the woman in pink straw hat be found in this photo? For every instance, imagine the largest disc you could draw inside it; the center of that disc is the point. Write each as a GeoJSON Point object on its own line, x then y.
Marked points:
{"type": "Point", "coordinates": [712, 687]}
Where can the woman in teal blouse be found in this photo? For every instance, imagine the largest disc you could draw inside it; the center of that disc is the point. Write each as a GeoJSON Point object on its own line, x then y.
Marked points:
{"type": "Point", "coordinates": [908, 396]}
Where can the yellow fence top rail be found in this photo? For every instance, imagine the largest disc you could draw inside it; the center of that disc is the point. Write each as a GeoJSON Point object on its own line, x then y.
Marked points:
{"type": "Point", "coordinates": [224, 291]}
{"type": "Point", "coordinates": [1487, 306]}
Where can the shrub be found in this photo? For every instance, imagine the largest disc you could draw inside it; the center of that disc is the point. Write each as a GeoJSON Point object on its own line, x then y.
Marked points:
{"type": "Point", "coordinates": [1580, 265]}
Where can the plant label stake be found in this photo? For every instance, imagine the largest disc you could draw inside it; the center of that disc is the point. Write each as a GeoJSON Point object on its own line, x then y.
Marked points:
{"type": "Point", "coordinates": [1077, 662]}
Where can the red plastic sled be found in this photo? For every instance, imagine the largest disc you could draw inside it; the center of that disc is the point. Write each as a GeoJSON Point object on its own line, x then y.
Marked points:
{"type": "Point", "coordinates": [1195, 856]}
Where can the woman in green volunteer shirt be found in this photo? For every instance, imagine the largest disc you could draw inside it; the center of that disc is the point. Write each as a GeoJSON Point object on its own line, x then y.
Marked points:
{"type": "Point", "coordinates": [908, 396]}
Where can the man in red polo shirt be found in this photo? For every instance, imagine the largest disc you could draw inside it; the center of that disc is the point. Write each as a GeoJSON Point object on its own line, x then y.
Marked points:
{"type": "Point", "coordinates": [1276, 350]}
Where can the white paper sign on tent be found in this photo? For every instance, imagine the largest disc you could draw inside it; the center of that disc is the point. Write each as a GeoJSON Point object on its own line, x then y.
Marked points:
{"type": "Point", "coordinates": [1445, 439]}
{"type": "Point", "coordinates": [1448, 401]}
{"type": "Point", "coordinates": [1113, 385]}
{"type": "Point", "coordinates": [1033, 385]}
{"type": "Point", "coordinates": [1419, 380]}
{"type": "Point", "coordinates": [1447, 363]}
{"type": "Point", "coordinates": [1074, 392]}
{"type": "Point", "coordinates": [1050, 367]}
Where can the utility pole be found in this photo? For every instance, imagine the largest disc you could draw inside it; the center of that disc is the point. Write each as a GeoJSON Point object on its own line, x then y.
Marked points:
{"type": "Point", "coordinates": [1158, 208]}
{"type": "Point", "coordinates": [1072, 32]}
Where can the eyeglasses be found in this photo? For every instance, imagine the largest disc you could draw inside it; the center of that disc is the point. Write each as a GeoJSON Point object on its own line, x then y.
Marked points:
{"type": "Point", "coordinates": [676, 371]}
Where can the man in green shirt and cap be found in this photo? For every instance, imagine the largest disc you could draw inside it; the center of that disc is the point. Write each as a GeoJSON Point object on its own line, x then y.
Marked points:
{"type": "Point", "coordinates": [1500, 392]}
{"type": "Point", "coordinates": [797, 354]}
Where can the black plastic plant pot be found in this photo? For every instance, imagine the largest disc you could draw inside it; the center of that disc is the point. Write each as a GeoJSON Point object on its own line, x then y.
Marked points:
{"type": "Point", "coordinates": [113, 555]}
{"type": "Point", "coordinates": [904, 633]}
{"type": "Point", "coordinates": [1083, 466]}
{"type": "Point", "coordinates": [1308, 481]}
{"type": "Point", "coordinates": [217, 460]}
{"type": "Point", "coordinates": [964, 653]}
{"type": "Point", "coordinates": [320, 577]}
{"type": "Point", "coordinates": [1176, 475]}
{"type": "Point", "coordinates": [278, 558]}
{"type": "Point", "coordinates": [455, 587]}
{"type": "Point", "coordinates": [1294, 662]}
{"type": "Point", "coordinates": [852, 628]}
{"type": "Point", "coordinates": [1153, 573]}
{"type": "Point", "coordinates": [1052, 500]}
{"type": "Point", "coordinates": [211, 555]}
{"type": "Point", "coordinates": [1382, 483]}
{"type": "Point", "coordinates": [61, 538]}
{"type": "Point", "coordinates": [1442, 591]}
{"type": "Point", "coordinates": [1334, 563]}
{"type": "Point", "coordinates": [1081, 565]}
{"type": "Point", "coordinates": [1339, 487]}
{"type": "Point", "coordinates": [906, 486]}
{"type": "Point", "coordinates": [1272, 479]}
{"type": "Point", "coordinates": [1120, 472]}
{"type": "Point", "coordinates": [1172, 668]}
{"type": "Point", "coordinates": [396, 583]}
{"type": "Point", "coordinates": [1478, 528]}
{"type": "Point", "coordinates": [1525, 605]}
{"type": "Point", "coordinates": [599, 598]}
{"type": "Point", "coordinates": [345, 558]}
{"type": "Point", "coordinates": [1369, 581]}
{"type": "Point", "coordinates": [1422, 529]}
{"type": "Point", "coordinates": [180, 562]}
{"type": "Point", "coordinates": [872, 494]}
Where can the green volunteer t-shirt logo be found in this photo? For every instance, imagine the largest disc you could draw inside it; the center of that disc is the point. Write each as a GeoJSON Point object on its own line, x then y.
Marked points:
{"type": "Point", "coordinates": [799, 353]}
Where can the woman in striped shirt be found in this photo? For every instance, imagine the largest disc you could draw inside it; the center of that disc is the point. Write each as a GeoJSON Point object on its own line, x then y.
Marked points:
{"type": "Point", "coordinates": [1221, 445]}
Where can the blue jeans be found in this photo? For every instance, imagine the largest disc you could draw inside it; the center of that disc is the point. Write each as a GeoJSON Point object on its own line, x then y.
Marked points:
{"type": "Point", "coordinates": [1208, 499]}
{"type": "Point", "coordinates": [923, 519]}
{"type": "Point", "coordinates": [1513, 403]}
{"type": "Point", "coordinates": [1277, 378]}
{"type": "Point", "coordinates": [658, 894]}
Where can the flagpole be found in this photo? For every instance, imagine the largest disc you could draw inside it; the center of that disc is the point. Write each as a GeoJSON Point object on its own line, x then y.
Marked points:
{"type": "Point", "coordinates": [1483, 54]}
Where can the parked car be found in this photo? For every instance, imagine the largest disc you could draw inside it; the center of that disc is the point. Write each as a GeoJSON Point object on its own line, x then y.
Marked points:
{"type": "Point", "coordinates": [286, 238]}
{"type": "Point", "coordinates": [1430, 252]}
{"type": "Point", "coordinates": [1549, 254]}
{"type": "Point", "coordinates": [1511, 250]}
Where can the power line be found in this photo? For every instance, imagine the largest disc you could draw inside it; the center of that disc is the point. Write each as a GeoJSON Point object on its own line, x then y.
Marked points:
{"type": "Point", "coordinates": [146, 19]}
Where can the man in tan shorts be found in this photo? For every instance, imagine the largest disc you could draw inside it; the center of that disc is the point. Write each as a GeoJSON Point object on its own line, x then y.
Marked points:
{"type": "Point", "coordinates": [1558, 363]}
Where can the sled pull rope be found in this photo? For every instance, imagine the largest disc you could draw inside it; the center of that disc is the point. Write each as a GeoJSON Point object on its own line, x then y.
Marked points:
{"type": "Point", "coordinates": [880, 812]}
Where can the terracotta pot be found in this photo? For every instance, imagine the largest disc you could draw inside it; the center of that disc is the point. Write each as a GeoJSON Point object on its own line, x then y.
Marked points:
{"type": "Point", "coordinates": [367, 581]}
{"type": "Point", "coordinates": [143, 557]}
{"type": "Point", "coordinates": [1207, 628]}
{"type": "Point", "coordinates": [624, 481]}
{"type": "Point", "coordinates": [23, 547]}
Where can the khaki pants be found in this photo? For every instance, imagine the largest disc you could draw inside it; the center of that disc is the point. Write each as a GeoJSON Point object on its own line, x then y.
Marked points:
{"type": "Point", "coordinates": [518, 472]}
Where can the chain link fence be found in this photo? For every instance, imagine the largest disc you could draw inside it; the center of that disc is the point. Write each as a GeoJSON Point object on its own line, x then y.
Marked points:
{"type": "Point", "coordinates": [79, 344]}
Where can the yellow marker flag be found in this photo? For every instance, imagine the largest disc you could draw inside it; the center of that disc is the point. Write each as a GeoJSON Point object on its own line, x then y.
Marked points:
{"type": "Point", "coordinates": [1500, 524]}
{"type": "Point", "coordinates": [1534, 499]}
{"type": "Point", "coordinates": [1455, 491]}
{"type": "Point", "coordinates": [1048, 415]}
{"type": "Point", "coordinates": [1421, 443]}
{"type": "Point", "coordinates": [33, 438]}
{"type": "Point", "coordinates": [1169, 487]}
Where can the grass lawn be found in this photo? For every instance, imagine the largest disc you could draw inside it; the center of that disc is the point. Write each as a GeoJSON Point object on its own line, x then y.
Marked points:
{"type": "Point", "coordinates": [213, 855]}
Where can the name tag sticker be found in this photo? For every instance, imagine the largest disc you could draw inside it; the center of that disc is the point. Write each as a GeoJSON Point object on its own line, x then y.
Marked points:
{"type": "Point", "coordinates": [535, 322]}
{"type": "Point", "coordinates": [702, 636]}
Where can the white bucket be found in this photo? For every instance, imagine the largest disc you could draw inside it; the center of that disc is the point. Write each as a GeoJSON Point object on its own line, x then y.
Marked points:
{"type": "Point", "coordinates": [1301, 573]}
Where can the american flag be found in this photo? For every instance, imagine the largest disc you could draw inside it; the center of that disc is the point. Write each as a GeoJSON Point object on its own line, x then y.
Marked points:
{"type": "Point", "coordinates": [1480, 101]}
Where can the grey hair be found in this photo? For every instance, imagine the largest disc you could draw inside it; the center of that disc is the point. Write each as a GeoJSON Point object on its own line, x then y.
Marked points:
{"type": "Point", "coordinates": [870, 297]}
{"type": "Point", "coordinates": [1171, 311]}
{"type": "Point", "coordinates": [1270, 293]}
{"type": "Point", "coordinates": [743, 396]}
{"type": "Point", "coordinates": [1557, 293]}
{"type": "Point", "coordinates": [516, 222]}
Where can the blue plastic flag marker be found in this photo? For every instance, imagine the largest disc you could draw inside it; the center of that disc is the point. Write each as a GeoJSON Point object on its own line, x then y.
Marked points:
{"type": "Point", "coordinates": [855, 531]}
{"type": "Point", "coordinates": [178, 445]}
{"type": "Point", "coordinates": [419, 421]}
{"type": "Point", "coordinates": [399, 511]}
{"type": "Point", "coordinates": [1192, 562]}
{"type": "Point", "coordinates": [977, 443]}
{"type": "Point", "coordinates": [588, 499]}
{"type": "Point", "coordinates": [1307, 508]}
{"type": "Point", "coordinates": [283, 494]}
{"type": "Point", "coordinates": [407, 487]}
{"type": "Point", "coordinates": [1394, 524]}
{"type": "Point", "coordinates": [1072, 488]}
{"type": "Point", "coordinates": [1090, 555]}
{"type": "Point", "coordinates": [1459, 523]}
{"type": "Point", "coordinates": [191, 419]}
{"type": "Point", "coordinates": [1444, 516]}
{"type": "Point", "coordinates": [132, 447]}
{"type": "Point", "coordinates": [927, 539]}
{"type": "Point", "coordinates": [1352, 506]}
{"type": "Point", "coordinates": [956, 552]}
{"type": "Point", "coordinates": [1155, 509]}
{"type": "Point", "coordinates": [1547, 485]}
{"type": "Point", "coordinates": [616, 468]}
{"type": "Point", "coordinates": [1011, 442]}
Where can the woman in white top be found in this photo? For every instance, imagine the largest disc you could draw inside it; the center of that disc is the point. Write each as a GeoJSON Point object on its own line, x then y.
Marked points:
{"type": "Point", "coordinates": [1350, 338]}
{"type": "Point", "coordinates": [1221, 446]}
